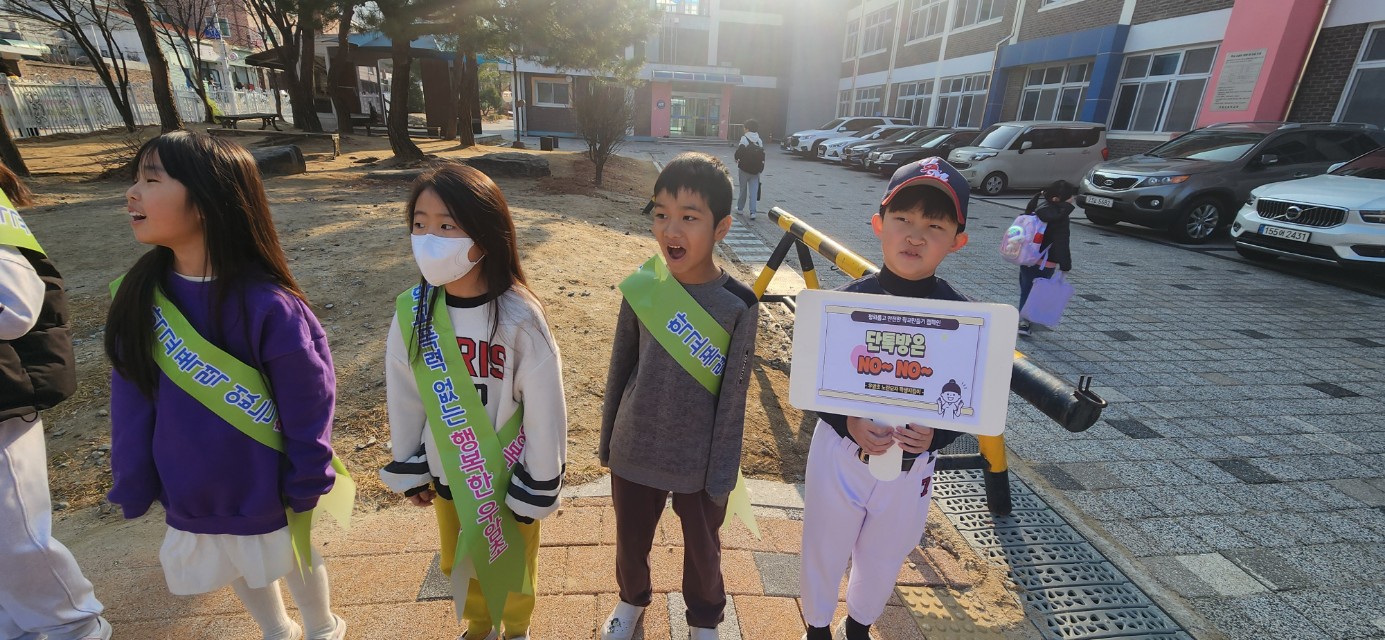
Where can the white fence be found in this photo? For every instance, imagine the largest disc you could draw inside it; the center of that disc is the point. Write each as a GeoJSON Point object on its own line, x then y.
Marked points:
{"type": "Point", "coordinates": [42, 108]}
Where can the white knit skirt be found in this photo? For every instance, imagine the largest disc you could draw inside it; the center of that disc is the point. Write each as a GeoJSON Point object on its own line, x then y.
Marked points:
{"type": "Point", "coordinates": [198, 562]}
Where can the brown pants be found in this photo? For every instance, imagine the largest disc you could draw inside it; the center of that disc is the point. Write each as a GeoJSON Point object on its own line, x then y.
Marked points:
{"type": "Point", "coordinates": [638, 509]}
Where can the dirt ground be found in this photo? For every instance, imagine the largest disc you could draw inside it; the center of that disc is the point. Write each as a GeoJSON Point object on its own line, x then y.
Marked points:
{"type": "Point", "coordinates": [347, 244]}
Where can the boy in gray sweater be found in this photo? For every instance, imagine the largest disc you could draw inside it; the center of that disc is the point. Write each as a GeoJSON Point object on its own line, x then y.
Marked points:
{"type": "Point", "coordinates": [674, 408]}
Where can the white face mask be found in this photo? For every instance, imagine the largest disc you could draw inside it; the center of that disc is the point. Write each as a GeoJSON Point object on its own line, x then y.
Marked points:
{"type": "Point", "coordinates": [442, 260]}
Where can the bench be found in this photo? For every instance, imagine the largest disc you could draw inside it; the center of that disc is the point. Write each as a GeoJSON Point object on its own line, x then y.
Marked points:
{"type": "Point", "coordinates": [266, 120]}
{"type": "Point", "coordinates": [365, 120]}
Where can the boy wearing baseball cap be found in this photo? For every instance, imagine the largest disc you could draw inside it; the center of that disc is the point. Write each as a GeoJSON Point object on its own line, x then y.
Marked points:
{"type": "Point", "coordinates": [848, 514]}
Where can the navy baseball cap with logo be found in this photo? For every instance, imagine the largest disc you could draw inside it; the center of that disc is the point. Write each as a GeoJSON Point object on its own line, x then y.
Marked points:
{"type": "Point", "coordinates": [935, 173]}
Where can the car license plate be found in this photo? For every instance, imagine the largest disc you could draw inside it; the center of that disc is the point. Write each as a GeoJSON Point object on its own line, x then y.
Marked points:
{"type": "Point", "coordinates": [1100, 202]}
{"type": "Point", "coordinates": [1287, 234]}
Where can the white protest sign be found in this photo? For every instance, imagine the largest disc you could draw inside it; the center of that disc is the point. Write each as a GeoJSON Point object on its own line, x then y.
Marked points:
{"type": "Point", "coordinates": [938, 363]}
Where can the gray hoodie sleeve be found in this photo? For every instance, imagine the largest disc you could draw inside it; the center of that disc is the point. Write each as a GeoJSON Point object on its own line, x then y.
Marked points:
{"type": "Point", "coordinates": [729, 431]}
{"type": "Point", "coordinates": [625, 355]}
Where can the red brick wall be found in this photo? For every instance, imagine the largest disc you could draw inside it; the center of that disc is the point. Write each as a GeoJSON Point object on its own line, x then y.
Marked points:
{"type": "Point", "coordinates": [1329, 71]}
{"type": "Point", "coordinates": [1087, 14]}
{"type": "Point", "coordinates": [1151, 10]}
{"type": "Point", "coordinates": [44, 72]}
{"type": "Point", "coordinates": [979, 40]}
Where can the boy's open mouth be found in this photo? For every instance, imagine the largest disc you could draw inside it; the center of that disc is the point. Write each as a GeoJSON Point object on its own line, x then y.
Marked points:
{"type": "Point", "coordinates": [676, 252]}
{"type": "Point", "coordinates": [136, 217]}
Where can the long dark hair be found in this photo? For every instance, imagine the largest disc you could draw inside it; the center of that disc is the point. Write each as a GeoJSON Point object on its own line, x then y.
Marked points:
{"type": "Point", "coordinates": [1054, 193]}
{"type": "Point", "coordinates": [14, 188]}
{"type": "Point", "coordinates": [477, 206]}
{"type": "Point", "coordinates": [225, 188]}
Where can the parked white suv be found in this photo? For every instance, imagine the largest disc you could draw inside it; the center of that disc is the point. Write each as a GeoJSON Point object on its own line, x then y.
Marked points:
{"type": "Point", "coordinates": [1334, 218]}
{"type": "Point", "coordinates": [831, 148]}
{"type": "Point", "coordinates": [1030, 154]}
{"type": "Point", "coordinates": [807, 141]}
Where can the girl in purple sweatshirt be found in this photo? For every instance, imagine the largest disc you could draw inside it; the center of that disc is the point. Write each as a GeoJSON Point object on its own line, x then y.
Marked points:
{"type": "Point", "coordinates": [216, 258]}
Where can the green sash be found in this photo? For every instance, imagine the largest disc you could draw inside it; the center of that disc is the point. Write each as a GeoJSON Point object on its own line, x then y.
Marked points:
{"type": "Point", "coordinates": [236, 392]}
{"type": "Point", "coordinates": [13, 231]}
{"type": "Point", "coordinates": [481, 476]}
{"type": "Point", "coordinates": [695, 340]}
{"type": "Point", "coordinates": [684, 329]}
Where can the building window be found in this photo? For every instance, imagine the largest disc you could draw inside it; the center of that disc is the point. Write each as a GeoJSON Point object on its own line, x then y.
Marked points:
{"type": "Point", "coordinates": [843, 103]}
{"type": "Point", "coordinates": [1054, 93]}
{"type": "Point", "coordinates": [875, 35]}
{"type": "Point", "coordinates": [926, 18]}
{"type": "Point", "coordinates": [1364, 100]}
{"type": "Point", "coordinates": [685, 7]}
{"type": "Point", "coordinates": [970, 12]}
{"type": "Point", "coordinates": [552, 92]}
{"type": "Point", "coordinates": [1162, 92]}
{"type": "Point", "coordinates": [962, 101]}
{"type": "Point", "coordinates": [853, 37]}
{"type": "Point", "coordinates": [912, 101]}
{"type": "Point", "coordinates": [867, 102]}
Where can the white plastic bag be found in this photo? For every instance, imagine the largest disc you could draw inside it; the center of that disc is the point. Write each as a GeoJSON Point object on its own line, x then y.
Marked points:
{"type": "Point", "coordinates": [1047, 299]}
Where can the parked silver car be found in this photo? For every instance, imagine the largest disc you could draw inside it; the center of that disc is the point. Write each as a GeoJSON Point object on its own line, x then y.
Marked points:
{"type": "Point", "coordinates": [1193, 184]}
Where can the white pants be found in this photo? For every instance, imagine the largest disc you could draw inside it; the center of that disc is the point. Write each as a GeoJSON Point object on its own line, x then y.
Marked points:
{"type": "Point", "coordinates": [849, 515]}
{"type": "Point", "coordinates": [42, 591]}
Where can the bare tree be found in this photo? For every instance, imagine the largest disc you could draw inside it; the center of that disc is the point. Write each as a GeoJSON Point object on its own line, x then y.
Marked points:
{"type": "Point", "coordinates": [91, 24]}
{"type": "Point", "coordinates": [181, 23]}
{"type": "Point", "coordinates": [290, 27]}
{"type": "Point", "coordinates": [604, 111]}
{"type": "Point", "coordinates": [158, 66]}
{"type": "Point", "coordinates": [341, 75]}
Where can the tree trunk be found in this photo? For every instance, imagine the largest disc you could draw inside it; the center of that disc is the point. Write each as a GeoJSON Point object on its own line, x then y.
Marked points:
{"type": "Point", "coordinates": [458, 69]}
{"type": "Point", "coordinates": [398, 121]}
{"type": "Point", "coordinates": [343, 71]}
{"type": "Point", "coordinates": [467, 101]}
{"type": "Point", "coordinates": [307, 73]}
{"type": "Point", "coordinates": [158, 66]}
{"type": "Point", "coordinates": [600, 169]}
{"type": "Point", "coordinates": [122, 106]}
{"type": "Point", "coordinates": [9, 152]}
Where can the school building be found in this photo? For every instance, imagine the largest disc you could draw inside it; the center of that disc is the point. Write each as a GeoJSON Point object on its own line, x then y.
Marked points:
{"type": "Point", "coordinates": [1148, 69]}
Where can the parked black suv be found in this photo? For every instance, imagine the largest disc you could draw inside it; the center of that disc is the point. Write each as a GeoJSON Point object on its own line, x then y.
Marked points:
{"type": "Point", "coordinates": [1193, 185]}
{"type": "Point", "coordinates": [887, 159]}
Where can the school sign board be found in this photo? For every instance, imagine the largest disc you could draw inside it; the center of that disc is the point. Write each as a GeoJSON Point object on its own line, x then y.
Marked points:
{"type": "Point", "coordinates": [937, 363]}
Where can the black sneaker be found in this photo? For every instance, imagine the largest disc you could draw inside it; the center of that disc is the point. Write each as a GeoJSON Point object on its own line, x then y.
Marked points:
{"type": "Point", "coordinates": [1024, 328]}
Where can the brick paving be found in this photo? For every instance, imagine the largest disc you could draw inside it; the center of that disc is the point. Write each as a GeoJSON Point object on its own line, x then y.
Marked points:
{"type": "Point", "coordinates": [380, 574]}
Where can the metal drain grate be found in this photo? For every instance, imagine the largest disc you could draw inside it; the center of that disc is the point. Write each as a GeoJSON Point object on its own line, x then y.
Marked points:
{"type": "Point", "coordinates": [1069, 589]}
{"type": "Point", "coordinates": [1045, 576]}
{"type": "Point", "coordinates": [987, 520]}
{"type": "Point", "coordinates": [1084, 598]}
{"type": "Point", "coordinates": [1113, 623]}
{"type": "Point", "coordinates": [1042, 554]}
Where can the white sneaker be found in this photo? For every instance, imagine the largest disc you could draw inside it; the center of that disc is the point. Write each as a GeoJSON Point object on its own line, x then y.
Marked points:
{"type": "Point", "coordinates": [339, 631]}
{"type": "Point", "coordinates": [102, 631]}
{"type": "Point", "coordinates": [622, 622]}
{"type": "Point", "coordinates": [493, 635]}
{"type": "Point", "coordinates": [702, 633]}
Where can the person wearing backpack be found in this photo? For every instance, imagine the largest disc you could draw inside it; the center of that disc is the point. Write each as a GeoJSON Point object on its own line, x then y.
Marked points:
{"type": "Point", "coordinates": [1052, 207]}
{"type": "Point", "coordinates": [750, 159]}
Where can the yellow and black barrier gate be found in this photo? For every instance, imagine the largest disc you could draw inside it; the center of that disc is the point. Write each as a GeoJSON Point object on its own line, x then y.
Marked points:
{"type": "Point", "coordinates": [1075, 407]}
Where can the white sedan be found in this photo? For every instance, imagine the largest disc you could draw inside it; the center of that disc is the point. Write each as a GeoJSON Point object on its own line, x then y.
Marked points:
{"type": "Point", "coordinates": [831, 149]}
{"type": "Point", "coordinates": [1334, 218]}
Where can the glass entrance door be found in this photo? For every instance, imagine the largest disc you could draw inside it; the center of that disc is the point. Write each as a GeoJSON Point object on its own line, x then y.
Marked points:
{"type": "Point", "coordinates": [695, 115]}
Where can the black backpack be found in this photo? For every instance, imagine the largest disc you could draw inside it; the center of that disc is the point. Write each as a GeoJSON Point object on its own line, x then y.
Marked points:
{"type": "Point", "coordinates": [752, 159]}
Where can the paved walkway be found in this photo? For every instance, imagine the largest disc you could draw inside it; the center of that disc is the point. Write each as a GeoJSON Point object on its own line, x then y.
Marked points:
{"type": "Point", "coordinates": [386, 585]}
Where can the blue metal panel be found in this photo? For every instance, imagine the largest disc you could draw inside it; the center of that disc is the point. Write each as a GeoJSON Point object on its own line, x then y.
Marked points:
{"type": "Point", "coordinates": [1065, 46]}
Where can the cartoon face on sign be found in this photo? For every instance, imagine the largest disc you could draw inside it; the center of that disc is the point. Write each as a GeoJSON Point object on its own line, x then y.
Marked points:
{"type": "Point", "coordinates": [950, 401]}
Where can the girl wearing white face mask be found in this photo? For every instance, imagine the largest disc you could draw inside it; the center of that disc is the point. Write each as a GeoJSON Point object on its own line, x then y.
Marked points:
{"type": "Point", "coordinates": [475, 394]}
